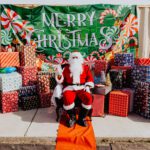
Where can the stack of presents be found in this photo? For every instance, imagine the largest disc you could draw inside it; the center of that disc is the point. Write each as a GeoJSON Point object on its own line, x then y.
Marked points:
{"type": "Point", "coordinates": [22, 86]}
{"type": "Point", "coordinates": [120, 88]}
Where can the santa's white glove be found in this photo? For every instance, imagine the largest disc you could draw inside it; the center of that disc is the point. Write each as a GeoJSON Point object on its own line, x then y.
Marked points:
{"type": "Point", "coordinates": [87, 89]}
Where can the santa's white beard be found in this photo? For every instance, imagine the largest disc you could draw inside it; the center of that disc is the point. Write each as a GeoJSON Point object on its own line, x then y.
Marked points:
{"type": "Point", "coordinates": [76, 69]}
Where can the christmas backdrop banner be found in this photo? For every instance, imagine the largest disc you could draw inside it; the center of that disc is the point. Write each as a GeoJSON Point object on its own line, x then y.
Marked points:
{"type": "Point", "coordinates": [97, 31]}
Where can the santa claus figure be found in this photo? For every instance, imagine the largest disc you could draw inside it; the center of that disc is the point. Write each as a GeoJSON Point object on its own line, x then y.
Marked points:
{"type": "Point", "coordinates": [77, 80]}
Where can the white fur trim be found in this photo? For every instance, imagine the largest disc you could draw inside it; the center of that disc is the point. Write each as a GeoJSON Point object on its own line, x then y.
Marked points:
{"type": "Point", "coordinates": [90, 84]}
{"type": "Point", "coordinates": [73, 88]}
{"type": "Point", "coordinates": [69, 106]}
{"type": "Point", "coordinates": [59, 81]}
{"type": "Point", "coordinates": [53, 101]}
{"type": "Point", "coordinates": [58, 91]}
{"type": "Point", "coordinates": [86, 106]}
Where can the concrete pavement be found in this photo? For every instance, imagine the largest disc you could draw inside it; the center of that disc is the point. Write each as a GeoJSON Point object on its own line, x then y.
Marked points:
{"type": "Point", "coordinates": [41, 123]}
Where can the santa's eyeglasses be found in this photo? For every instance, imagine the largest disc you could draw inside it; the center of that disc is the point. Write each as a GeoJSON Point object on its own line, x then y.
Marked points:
{"type": "Point", "coordinates": [75, 57]}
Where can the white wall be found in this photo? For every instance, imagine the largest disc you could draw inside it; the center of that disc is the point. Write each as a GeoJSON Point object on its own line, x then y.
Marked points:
{"type": "Point", "coordinates": [76, 2]}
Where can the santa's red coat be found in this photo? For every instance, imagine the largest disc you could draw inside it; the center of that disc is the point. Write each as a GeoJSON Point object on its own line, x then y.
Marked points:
{"type": "Point", "coordinates": [70, 90]}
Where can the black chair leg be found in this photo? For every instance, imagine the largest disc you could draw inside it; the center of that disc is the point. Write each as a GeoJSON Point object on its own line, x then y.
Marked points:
{"type": "Point", "coordinates": [57, 114]}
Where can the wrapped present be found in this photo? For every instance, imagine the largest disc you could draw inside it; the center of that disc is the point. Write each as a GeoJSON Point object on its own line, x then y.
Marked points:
{"type": "Point", "coordinates": [45, 100]}
{"type": "Point", "coordinates": [10, 81]}
{"type": "Point", "coordinates": [124, 59]}
{"type": "Point", "coordinates": [146, 70]}
{"type": "Point", "coordinates": [142, 99]}
{"type": "Point", "coordinates": [126, 74]}
{"type": "Point", "coordinates": [141, 73]}
{"type": "Point", "coordinates": [27, 56]}
{"type": "Point", "coordinates": [9, 59]}
{"type": "Point", "coordinates": [43, 79]}
{"type": "Point", "coordinates": [103, 90]}
{"type": "Point", "coordinates": [142, 61]}
{"type": "Point", "coordinates": [131, 97]}
{"type": "Point", "coordinates": [116, 77]}
{"type": "Point", "coordinates": [29, 102]}
{"type": "Point", "coordinates": [98, 105]}
{"type": "Point", "coordinates": [119, 103]}
{"type": "Point", "coordinates": [100, 65]}
{"type": "Point", "coordinates": [29, 75]}
{"type": "Point", "coordinates": [28, 91]}
{"type": "Point", "coordinates": [9, 101]}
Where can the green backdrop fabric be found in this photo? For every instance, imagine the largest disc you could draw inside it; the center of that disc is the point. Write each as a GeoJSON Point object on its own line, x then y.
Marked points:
{"type": "Point", "coordinates": [97, 31]}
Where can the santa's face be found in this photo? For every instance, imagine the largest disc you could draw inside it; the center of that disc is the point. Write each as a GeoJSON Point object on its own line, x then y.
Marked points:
{"type": "Point", "coordinates": [76, 61]}
{"type": "Point", "coordinates": [75, 57]}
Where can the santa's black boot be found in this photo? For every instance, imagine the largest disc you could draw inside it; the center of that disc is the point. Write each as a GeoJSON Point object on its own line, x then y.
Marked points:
{"type": "Point", "coordinates": [82, 114]}
{"type": "Point", "coordinates": [72, 118]}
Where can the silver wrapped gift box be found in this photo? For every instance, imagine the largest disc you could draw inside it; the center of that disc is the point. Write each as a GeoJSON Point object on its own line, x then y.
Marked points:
{"type": "Point", "coordinates": [104, 90]}
{"type": "Point", "coordinates": [10, 81]}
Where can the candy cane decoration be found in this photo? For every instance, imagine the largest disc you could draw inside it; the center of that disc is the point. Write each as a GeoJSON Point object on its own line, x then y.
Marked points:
{"type": "Point", "coordinates": [11, 20]}
{"type": "Point", "coordinates": [105, 13]}
{"type": "Point", "coordinates": [135, 39]}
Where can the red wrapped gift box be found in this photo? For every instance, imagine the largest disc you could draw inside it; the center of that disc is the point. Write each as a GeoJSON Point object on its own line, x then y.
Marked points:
{"type": "Point", "coordinates": [29, 75]}
{"type": "Point", "coordinates": [9, 59]}
{"type": "Point", "coordinates": [98, 105]}
{"type": "Point", "coordinates": [142, 61]}
{"type": "Point", "coordinates": [27, 56]}
{"type": "Point", "coordinates": [43, 79]}
{"type": "Point", "coordinates": [100, 65]}
{"type": "Point", "coordinates": [9, 101]}
{"type": "Point", "coordinates": [45, 99]}
{"type": "Point", "coordinates": [119, 103]}
{"type": "Point", "coordinates": [131, 97]}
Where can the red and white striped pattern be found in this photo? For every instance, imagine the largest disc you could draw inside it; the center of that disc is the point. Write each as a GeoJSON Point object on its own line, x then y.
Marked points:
{"type": "Point", "coordinates": [27, 31]}
{"type": "Point", "coordinates": [106, 12]}
{"type": "Point", "coordinates": [90, 61]}
{"type": "Point", "coordinates": [9, 59]}
{"type": "Point", "coordinates": [11, 20]}
{"type": "Point", "coordinates": [143, 61]}
{"type": "Point", "coordinates": [60, 61]}
{"type": "Point", "coordinates": [130, 25]}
